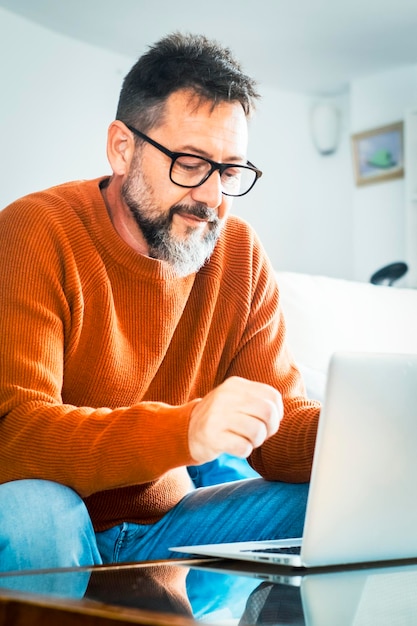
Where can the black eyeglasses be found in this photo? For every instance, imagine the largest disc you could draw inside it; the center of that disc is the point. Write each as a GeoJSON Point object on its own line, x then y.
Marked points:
{"type": "Point", "coordinates": [190, 170]}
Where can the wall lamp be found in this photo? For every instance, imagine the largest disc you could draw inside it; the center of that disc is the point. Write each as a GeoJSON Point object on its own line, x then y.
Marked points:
{"type": "Point", "coordinates": [325, 120]}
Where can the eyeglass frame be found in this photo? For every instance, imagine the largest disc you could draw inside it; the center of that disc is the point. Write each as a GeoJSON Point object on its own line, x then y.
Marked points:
{"type": "Point", "coordinates": [215, 166]}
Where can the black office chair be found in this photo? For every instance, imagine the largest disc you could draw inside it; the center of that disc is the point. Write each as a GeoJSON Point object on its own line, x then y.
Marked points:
{"type": "Point", "coordinates": [389, 274]}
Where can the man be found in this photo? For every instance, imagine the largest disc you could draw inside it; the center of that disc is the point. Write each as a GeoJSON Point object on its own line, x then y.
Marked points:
{"type": "Point", "coordinates": [142, 333]}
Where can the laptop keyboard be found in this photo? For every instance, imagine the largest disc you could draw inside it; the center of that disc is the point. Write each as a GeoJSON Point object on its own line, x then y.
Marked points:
{"type": "Point", "coordinates": [289, 550]}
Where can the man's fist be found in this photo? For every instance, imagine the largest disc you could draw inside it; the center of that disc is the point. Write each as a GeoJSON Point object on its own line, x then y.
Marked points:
{"type": "Point", "coordinates": [236, 417]}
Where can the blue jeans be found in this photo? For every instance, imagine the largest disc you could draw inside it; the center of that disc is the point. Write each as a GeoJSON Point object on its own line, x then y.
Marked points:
{"type": "Point", "coordinates": [45, 525]}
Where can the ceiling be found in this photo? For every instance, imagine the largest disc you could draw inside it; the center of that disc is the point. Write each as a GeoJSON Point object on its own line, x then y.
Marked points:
{"type": "Point", "coordinates": [314, 46]}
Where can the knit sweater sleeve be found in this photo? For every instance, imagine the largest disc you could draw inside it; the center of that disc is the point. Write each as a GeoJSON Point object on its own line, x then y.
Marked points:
{"type": "Point", "coordinates": [288, 455]}
{"type": "Point", "coordinates": [89, 448]}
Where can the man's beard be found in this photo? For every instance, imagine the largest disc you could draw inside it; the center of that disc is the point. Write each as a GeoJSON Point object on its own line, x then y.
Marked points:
{"type": "Point", "coordinates": [186, 255]}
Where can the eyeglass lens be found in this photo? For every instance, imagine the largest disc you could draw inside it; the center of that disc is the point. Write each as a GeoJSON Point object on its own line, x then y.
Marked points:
{"type": "Point", "coordinates": [191, 171]}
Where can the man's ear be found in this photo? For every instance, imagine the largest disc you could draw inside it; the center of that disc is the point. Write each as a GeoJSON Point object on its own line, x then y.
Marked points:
{"type": "Point", "coordinates": [120, 147]}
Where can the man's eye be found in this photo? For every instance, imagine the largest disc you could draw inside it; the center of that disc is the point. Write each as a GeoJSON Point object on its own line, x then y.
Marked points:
{"type": "Point", "coordinates": [189, 164]}
{"type": "Point", "coordinates": [232, 172]}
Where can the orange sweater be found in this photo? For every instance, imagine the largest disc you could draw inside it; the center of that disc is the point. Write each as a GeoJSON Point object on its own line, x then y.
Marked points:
{"type": "Point", "coordinates": [104, 353]}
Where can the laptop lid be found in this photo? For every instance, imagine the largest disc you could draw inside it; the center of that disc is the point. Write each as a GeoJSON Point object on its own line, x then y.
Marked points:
{"type": "Point", "coordinates": [362, 500]}
{"type": "Point", "coordinates": [361, 505]}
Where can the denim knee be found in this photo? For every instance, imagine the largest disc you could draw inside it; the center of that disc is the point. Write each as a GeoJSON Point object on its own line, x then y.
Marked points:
{"type": "Point", "coordinates": [44, 524]}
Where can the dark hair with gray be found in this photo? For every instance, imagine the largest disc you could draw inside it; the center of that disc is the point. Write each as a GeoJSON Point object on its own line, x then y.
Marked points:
{"type": "Point", "coordinates": [176, 62]}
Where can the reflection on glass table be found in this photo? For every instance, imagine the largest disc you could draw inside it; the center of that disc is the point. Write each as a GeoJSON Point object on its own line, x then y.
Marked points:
{"type": "Point", "coordinates": [226, 593]}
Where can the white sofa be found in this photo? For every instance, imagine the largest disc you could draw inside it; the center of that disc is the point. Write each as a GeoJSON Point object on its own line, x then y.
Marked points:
{"type": "Point", "coordinates": [328, 314]}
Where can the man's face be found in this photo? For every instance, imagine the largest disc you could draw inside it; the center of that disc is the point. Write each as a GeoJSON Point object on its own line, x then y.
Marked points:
{"type": "Point", "coordinates": [180, 225]}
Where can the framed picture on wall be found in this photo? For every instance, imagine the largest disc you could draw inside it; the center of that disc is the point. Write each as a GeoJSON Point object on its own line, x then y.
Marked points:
{"type": "Point", "coordinates": [378, 154]}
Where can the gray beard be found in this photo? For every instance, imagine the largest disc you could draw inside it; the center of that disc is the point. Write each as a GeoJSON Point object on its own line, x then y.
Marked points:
{"type": "Point", "coordinates": [185, 256]}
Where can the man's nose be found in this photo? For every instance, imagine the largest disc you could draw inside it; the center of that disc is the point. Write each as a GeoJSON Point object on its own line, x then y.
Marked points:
{"type": "Point", "coordinates": [210, 192]}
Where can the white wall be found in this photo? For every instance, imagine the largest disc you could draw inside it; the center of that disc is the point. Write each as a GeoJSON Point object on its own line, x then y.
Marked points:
{"type": "Point", "coordinates": [57, 99]}
{"type": "Point", "coordinates": [379, 216]}
{"type": "Point", "coordinates": [301, 207]}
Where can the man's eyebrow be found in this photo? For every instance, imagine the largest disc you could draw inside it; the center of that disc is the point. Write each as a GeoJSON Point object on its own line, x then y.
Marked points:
{"type": "Point", "coordinates": [190, 149]}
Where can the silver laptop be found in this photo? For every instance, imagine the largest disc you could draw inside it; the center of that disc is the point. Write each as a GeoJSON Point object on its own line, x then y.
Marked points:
{"type": "Point", "coordinates": [362, 503]}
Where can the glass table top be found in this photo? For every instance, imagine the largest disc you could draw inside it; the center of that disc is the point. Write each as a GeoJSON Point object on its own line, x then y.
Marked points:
{"type": "Point", "coordinates": [227, 593]}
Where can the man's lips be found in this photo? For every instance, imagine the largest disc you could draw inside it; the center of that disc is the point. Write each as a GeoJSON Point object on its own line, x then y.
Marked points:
{"type": "Point", "coordinates": [190, 221]}
{"type": "Point", "coordinates": [194, 219]}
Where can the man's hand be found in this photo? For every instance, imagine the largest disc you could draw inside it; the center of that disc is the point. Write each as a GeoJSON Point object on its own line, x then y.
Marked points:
{"type": "Point", "coordinates": [236, 417]}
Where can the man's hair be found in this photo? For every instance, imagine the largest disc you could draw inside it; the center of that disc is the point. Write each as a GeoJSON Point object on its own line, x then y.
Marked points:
{"type": "Point", "coordinates": [189, 62]}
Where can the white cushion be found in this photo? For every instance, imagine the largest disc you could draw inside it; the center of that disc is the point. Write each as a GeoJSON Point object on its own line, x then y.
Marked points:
{"type": "Point", "coordinates": [328, 314]}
